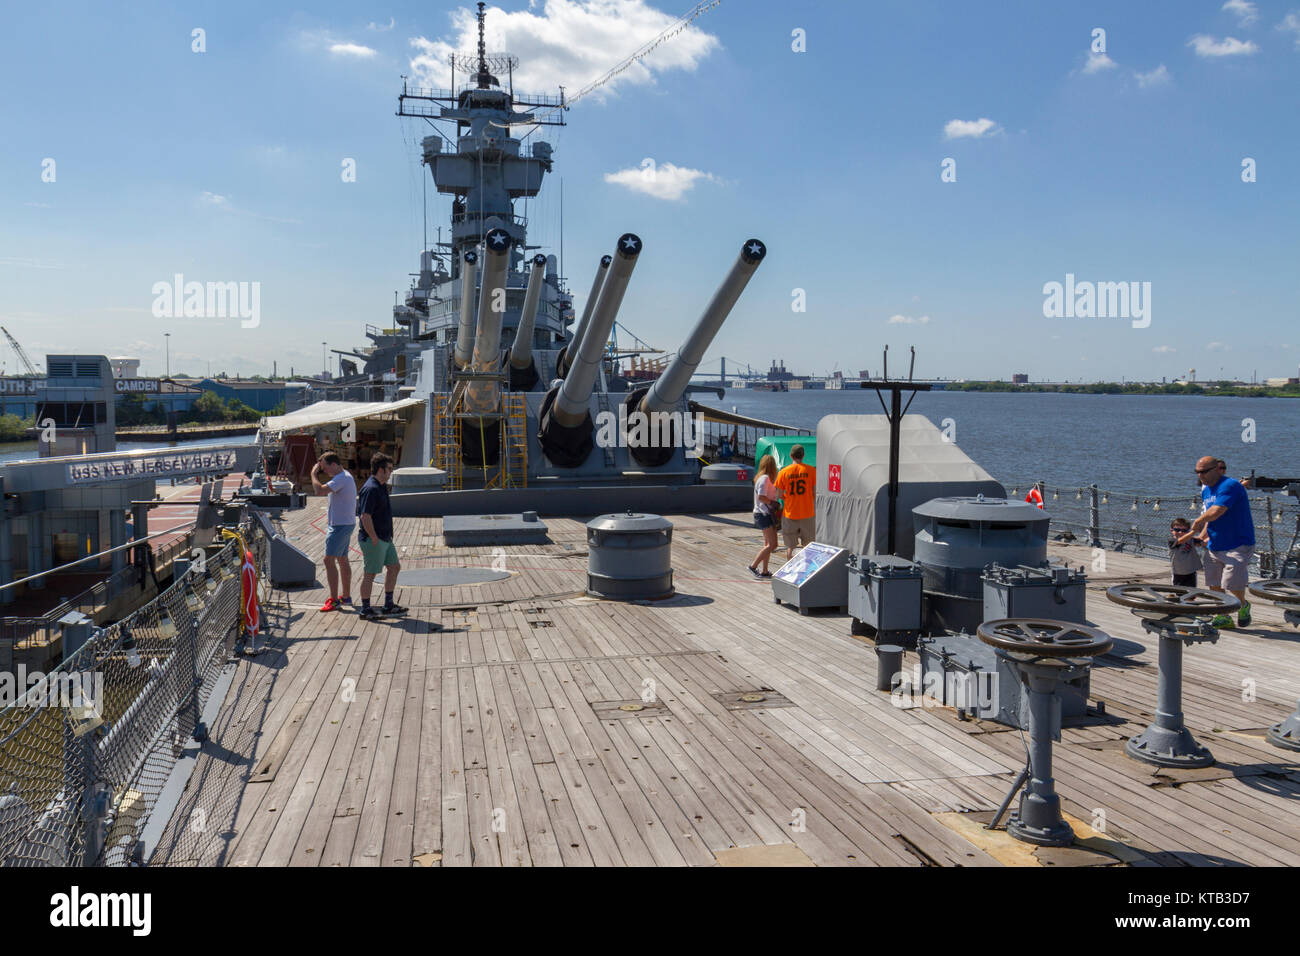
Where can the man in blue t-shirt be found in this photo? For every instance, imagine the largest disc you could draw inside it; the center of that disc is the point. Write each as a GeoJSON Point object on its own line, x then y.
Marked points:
{"type": "Point", "coordinates": [376, 537]}
{"type": "Point", "coordinates": [1228, 529]}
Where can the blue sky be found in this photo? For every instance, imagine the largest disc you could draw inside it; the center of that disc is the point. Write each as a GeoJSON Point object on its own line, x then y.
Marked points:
{"type": "Point", "coordinates": [225, 166]}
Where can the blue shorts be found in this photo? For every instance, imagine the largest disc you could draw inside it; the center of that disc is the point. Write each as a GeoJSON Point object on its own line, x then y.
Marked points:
{"type": "Point", "coordinates": [761, 520]}
{"type": "Point", "coordinates": [338, 539]}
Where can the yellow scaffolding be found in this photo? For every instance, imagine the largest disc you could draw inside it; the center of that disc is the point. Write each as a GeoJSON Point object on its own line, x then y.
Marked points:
{"type": "Point", "coordinates": [446, 439]}
{"type": "Point", "coordinates": [512, 462]}
{"type": "Point", "coordinates": [514, 440]}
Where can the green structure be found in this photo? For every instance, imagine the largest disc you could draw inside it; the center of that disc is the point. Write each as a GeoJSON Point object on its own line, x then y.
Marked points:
{"type": "Point", "coordinates": [778, 446]}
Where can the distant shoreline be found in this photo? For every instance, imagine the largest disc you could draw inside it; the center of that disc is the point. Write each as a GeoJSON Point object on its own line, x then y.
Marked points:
{"type": "Point", "coordinates": [1117, 388]}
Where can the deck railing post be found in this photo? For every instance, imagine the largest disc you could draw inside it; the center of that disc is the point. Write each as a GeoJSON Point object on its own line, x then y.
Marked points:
{"type": "Point", "coordinates": [1094, 517]}
{"type": "Point", "coordinates": [1272, 544]}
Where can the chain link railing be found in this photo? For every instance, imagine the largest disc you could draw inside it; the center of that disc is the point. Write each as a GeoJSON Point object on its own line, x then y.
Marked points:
{"type": "Point", "coordinates": [86, 751]}
{"type": "Point", "coordinates": [1138, 522]}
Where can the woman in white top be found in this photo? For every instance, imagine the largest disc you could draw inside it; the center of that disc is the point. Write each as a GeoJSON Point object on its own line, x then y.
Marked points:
{"type": "Point", "coordinates": [765, 499]}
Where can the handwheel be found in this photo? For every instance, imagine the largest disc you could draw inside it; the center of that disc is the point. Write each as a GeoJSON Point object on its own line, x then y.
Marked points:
{"type": "Point", "coordinates": [1279, 592]}
{"type": "Point", "coordinates": [1172, 599]}
{"type": "Point", "coordinates": [1044, 638]}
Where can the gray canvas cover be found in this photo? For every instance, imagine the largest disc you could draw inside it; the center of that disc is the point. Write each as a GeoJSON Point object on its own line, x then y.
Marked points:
{"type": "Point", "coordinates": [857, 517]}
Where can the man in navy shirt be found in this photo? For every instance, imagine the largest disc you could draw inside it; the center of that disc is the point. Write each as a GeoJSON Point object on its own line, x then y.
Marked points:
{"type": "Point", "coordinates": [376, 538]}
{"type": "Point", "coordinates": [1228, 529]}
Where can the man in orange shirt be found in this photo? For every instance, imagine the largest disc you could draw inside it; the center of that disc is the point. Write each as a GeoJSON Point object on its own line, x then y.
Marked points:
{"type": "Point", "coordinates": [797, 483]}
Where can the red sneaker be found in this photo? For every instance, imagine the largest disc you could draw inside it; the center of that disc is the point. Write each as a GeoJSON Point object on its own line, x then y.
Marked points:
{"type": "Point", "coordinates": [330, 605]}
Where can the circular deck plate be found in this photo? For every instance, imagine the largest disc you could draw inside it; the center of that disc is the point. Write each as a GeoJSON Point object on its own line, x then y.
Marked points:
{"type": "Point", "coordinates": [449, 577]}
{"type": "Point", "coordinates": [1172, 599]}
{"type": "Point", "coordinates": [753, 698]}
{"type": "Point", "coordinates": [1279, 592]}
{"type": "Point", "coordinates": [1044, 638]}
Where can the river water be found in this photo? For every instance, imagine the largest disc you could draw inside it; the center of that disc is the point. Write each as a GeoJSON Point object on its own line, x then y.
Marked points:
{"type": "Point", "coordinates": [1124, 442]}
{"type": "Point", "coordinates": [1127, 442]}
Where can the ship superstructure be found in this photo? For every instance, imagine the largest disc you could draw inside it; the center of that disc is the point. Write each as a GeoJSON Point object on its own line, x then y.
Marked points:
{"type": "Point", "coordinates": [484, 168]}
{"type": "Point", "coordinates": [508, 395]}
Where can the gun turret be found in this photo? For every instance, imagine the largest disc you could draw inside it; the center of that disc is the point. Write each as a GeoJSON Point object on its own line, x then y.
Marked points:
{"type": "Point", "coordinates": [566, 427]}
{"type": "Point", "coordinates": [664, 395]}
{"type": "Point", "coordinates": [523, 373]}
{"type": "Point", "coordinates": [565, 360]}
{"type": "Point", "coordinates": [465, 331]}
{"type": "Point", "coordinates": [481, 396]}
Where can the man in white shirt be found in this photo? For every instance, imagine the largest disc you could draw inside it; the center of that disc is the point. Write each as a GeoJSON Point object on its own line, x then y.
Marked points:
{"type": "Point", "coordinates": [330, 476]}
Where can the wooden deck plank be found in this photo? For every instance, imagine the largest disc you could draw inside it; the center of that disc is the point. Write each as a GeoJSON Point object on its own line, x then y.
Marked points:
{"type": "Point", "coordinates": [479, 745]}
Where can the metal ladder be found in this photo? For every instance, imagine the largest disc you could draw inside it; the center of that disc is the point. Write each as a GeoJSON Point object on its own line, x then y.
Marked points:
{"type": "Point", "coordinates": [602, 400]}
{"type": "Point", "coordinates": [446, 441]}
{"type": "Point", "coordinates": [514, 441]}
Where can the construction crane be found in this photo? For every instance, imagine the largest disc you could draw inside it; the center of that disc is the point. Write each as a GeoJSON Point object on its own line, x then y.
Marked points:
{"type": "Point", "coordinates": [18, 350]}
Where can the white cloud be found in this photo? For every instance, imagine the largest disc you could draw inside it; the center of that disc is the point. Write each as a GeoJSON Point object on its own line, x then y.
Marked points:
{"type": "Point", "coordinates": [571, 43]}
{"type": "Point", "coordinates": [664, 181]}
{"type": "Point", "coordinates": [351, 49]}
{"type": "Point", "coordinates": [1207, 46]}
{"type": "Point", "coordinates": [976, 129]}
{"type": "Point", "coordinates": [1243, 10]}
{"type": "Point", "coordinates": [378, 29]}
{"type": "Point", "coordinates": [1218, 347]}
{"type": "Point", "coordinates": [1098, 62]}
{"type": "Point", "coordinates": [26, 262]}
{"type": "Point", "coordinates": [909, 320]}
{"type": "Point", "coordinates": [217, 201]}
{"type": "Point", "coordinates": [1157, 77]}
{"type": "Point", "coordinates": [1291, 24]}
{"type": "Point", "coordinates": [1164, 349]}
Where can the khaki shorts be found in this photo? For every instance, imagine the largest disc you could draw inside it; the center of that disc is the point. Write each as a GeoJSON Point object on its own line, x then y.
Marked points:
{"type": "Point", "coordinates": [1228, 569]}
{"type": "Point", "coordinates": [793, 530]}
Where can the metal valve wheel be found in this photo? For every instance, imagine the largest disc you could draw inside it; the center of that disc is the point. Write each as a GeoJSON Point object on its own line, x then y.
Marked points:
{"type": "Point", "coordinates": [1044, 638]}
{"type": "Point", "coordinates": [1279, 592]}
{"type": "Point", "coordinates": [1172, 599]}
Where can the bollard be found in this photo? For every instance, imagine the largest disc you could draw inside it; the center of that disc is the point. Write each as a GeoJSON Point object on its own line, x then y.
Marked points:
{"type": "Point", "coordinates": [889, 663]}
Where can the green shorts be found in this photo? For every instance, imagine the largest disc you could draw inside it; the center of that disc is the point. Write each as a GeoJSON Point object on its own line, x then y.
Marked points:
{"type": "Point", "coordinates": [376, 554]}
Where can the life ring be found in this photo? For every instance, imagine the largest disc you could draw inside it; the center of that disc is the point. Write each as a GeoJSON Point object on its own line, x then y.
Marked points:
{"type": "Point", "coordinates": [1035, 497]}
{"type": "Point", "coordinates": [251, 614]}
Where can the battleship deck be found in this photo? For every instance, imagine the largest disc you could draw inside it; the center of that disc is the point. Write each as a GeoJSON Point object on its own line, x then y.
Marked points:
{"type": "Point", "coordinates": [498, 739]}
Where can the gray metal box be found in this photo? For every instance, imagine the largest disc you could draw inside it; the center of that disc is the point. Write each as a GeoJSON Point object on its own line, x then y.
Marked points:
{"type": "Point", "coordinates": [1053, 592]}
{"type": "Point", "coordinates": [966, 673]}
{"type": "Point", "coordinates": [885, 594]}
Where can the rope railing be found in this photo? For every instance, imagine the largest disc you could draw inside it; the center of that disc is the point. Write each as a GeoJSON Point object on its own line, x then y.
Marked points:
{"type": "Point", "coordinates": [1138, 522]}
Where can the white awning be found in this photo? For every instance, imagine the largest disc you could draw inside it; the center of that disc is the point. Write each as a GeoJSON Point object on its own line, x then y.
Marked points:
{"type": "Point", "coordinates": [333, 413]}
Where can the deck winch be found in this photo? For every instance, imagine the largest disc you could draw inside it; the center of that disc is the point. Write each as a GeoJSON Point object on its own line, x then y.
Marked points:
{"type": "Point", "coordinates": [630, 557]}
{"type": "Point", "coordinates": [1043, 653]}
{"type": "Point", "coordinates": [1177, 615]}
